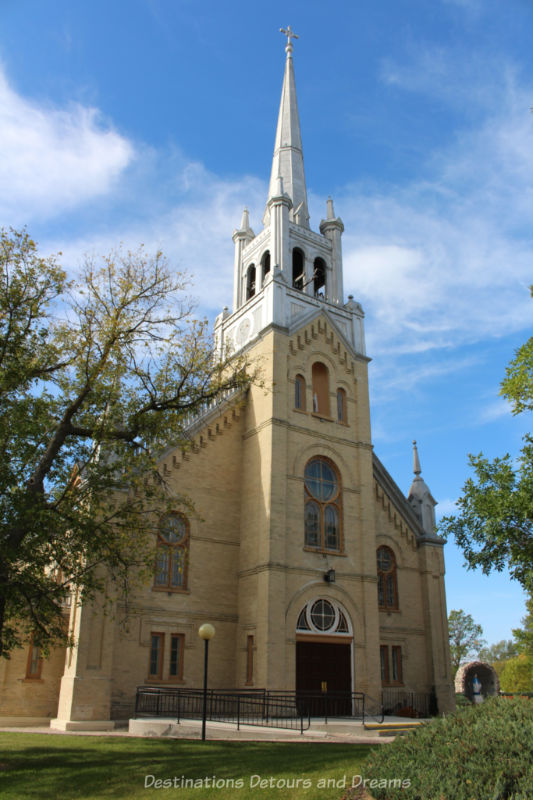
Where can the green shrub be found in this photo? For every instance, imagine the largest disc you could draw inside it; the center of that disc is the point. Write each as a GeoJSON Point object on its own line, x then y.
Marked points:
{"type": "Point", "coordinates": [461, 701]}
{"type": "Point", "coordinates": [484, 752]}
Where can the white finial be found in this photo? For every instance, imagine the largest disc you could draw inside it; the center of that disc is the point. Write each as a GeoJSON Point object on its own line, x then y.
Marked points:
{"type": "Point", "coordinates": [245, 222]}
{"type": "Point", "coordinates": [331, 213]}
{"type": "Point", "coordinates": [290, 35]}
{"type": "Point", "coordinates": [416, 461]}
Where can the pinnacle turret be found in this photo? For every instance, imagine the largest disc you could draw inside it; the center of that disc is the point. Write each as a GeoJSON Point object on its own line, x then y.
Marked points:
{"type": "Point", "coordinates": [420, 497]}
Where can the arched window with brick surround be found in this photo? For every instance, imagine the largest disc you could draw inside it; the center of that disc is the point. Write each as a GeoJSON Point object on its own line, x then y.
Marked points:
{"type": "Point", "coordinates": [323, 505]}
{"type": "Point", "coordinates": [387, 579]}
{"type": "Point", "coordinates": [320, 380]}
{"type": "Point", "coordinates": [341, 406]}
{"type": "Point", "coordinates": [299, 392]}
{"type": "Point", "coordinates": [171, 553]}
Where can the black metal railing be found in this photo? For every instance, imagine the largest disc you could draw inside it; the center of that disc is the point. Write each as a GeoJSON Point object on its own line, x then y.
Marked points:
{"type": "Point", "coordinates": [238, 707]}
{"type": "Point", "coordinates": [399, 702]}
{"type": "Point", "coordinates": [354, 705]}
{"type": "Point", "coordinates": [273, 708]}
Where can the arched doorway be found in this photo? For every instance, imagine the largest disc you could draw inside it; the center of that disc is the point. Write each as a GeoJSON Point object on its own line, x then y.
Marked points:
{"type": "Point", "coordinates": [324, 677]}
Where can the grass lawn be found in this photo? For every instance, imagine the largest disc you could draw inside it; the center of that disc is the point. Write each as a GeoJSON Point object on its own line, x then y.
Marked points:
{"type": "Point", "coordinates": [43, 766]}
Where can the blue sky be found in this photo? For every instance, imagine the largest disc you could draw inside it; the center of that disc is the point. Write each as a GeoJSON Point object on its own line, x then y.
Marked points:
{"type": "Point", "coordinates": [153, 121]}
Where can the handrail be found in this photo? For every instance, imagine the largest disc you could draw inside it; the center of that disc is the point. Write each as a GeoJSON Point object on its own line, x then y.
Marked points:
{"type": "Point", "coordinates": [257, 706]}
{"type": "Point", "coordinates": [239, 707]}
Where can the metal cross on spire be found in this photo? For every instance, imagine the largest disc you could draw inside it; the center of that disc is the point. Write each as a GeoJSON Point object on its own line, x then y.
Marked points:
{"type": "Point", "coordinates": [288, 32]}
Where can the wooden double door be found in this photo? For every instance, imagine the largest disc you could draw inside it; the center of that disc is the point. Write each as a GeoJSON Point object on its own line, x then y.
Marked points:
{"type": "Point", "coordinates": [324, 677]}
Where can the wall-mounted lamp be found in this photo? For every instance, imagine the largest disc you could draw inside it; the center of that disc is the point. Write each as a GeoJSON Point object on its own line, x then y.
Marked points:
{"type": "Point", "coordinates": [329, 576]}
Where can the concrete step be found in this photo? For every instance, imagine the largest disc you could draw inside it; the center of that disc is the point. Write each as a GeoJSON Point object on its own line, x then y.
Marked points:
{"type": "Point", "coordinates": [392, 728]}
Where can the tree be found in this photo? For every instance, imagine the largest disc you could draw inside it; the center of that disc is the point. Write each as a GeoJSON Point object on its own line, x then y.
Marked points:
{"type": "Point", "coordinates": [494, 525]}
{"type": "Point", "coordinates": [501, 651]}
{"type": "Point", "coordinates": [517, 674]}
{"type": "Point", "coordinates": [95, 375]}
{"type": "Point", "coordinates": [524, 635]}
{"type": "Point", "coordinates": [497, 655]}
{"type": "Point", "coordinates": [465, 637]}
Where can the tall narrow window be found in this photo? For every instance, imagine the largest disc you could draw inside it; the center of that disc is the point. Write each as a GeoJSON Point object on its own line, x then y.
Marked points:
{"type": "Point", "coordinates": [322, 516]}
{"type": "Point", "coordinates": [298, 269]}
{"type": "Point", "coordinates": [250, 282]}
{"type": "Point", "coordinates": [320, 380]}
{"type": "Point", "coordinates": [249, 660]}
{"type": "Point", "coordinates": [319, 278]}
{"type": "Point", "coordinates": [299, 392]}
{"type": "Point", "coordinates": [265, 264]}
{"type": "Point", "coordinates": [34, 663]}
{"type": "Point", "coordinates": [384, 661]}
{"type": "Point", "coordinates": [175, 669]}
{"type": "Point", "coordinates": [391, 665]}
{"type": "Point", "coordinates": [341, 406]}
{"type": "Point", "coordinates": [397, 676]}
{"type": "Point", "coordinates": [155, 666]}
{"type": "Point", "coordinates": [171, 554]}
{"type": "Point", "coordinates": [387, 579]}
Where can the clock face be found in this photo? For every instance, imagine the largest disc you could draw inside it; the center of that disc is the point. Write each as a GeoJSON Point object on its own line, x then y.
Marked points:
{"type": "Point", "coordinates": [173, 529]}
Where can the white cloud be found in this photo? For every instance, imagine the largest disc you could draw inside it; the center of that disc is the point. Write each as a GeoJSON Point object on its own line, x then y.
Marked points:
{"type": "Point", "coordinates": [438, 262]}
{"type": "Point", "coordinates": [445, 508]}
{"type": "Point", "coordinates": [447, 259]}
{"type": "Point", "coordinates": [53, 159]}
{"type": "Point", "coordinates": [494, 411]}
{"type": "Point", "coordinates": [194, 231]}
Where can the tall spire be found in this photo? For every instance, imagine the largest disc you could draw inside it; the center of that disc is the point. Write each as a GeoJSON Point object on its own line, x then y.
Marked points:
{"type": "Point", "coordinates": [288, 160]}
{"type": "Point", "coordinates": [416, 460]}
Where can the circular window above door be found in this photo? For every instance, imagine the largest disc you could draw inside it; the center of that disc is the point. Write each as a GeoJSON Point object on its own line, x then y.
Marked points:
{"type": "Point", "coordinates": [323, 616]}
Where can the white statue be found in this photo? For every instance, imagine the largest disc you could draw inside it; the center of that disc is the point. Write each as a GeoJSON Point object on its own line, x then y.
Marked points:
{"type": "Point", "coordinates": [476, 686]}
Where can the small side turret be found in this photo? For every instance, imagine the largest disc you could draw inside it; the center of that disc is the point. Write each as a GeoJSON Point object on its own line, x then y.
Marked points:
{"type": "Point", "coordinates": [331, 228]}
{"type": "Point", "coordinates": [421, 499]}
{"type": "Point", "coordinates": [241, 237]}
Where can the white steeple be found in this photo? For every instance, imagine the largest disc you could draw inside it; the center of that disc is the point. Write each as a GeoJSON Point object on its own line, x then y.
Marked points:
{"type": "Point", "coordinates": [288, 160]}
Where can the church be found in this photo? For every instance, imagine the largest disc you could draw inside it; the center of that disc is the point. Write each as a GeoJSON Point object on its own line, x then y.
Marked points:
{"type": "Point", "coordinates": [316, 571]}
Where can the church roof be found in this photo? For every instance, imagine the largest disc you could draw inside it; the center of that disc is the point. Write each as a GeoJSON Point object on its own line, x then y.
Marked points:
{"type": "Point", "coordinates": [396, 496]}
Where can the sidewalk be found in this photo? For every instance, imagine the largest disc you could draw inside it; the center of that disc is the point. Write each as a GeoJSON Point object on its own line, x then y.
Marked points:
{"type": "Point", "coordinates": [338, 730]}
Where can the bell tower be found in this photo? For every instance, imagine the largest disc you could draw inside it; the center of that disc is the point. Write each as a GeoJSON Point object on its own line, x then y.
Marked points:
{"type": "Point", "coordinates": [287, 271]}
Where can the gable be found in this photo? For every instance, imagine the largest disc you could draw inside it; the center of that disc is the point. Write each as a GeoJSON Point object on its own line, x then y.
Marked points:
{"type": "Point", "coordinates": [318, 327]}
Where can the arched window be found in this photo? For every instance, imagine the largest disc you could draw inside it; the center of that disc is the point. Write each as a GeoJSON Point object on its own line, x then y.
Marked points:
{"type": "Point", "coordinates": [265, 264]}
{"type": "Point", "coordinates": [341, 406]}
{"type": "Point", "coordinates": [323, 616]}
{"type": "Point", "coordinates": [299, 392]}
{"type": "Point", "coordinates": [387, 579]}
{"type": "Point", "coordinates": [320, 379]}
{"type": "Point", "coordinates": [171, 554]}
{"type": "Point", "coordinates": [319, 277]}
{"type": "Point", "coordinates": [322, 518]}
{"type": "Point", "coordinates": [250, 281]}
{"type": "Point", "coordinates": [298, 273]}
